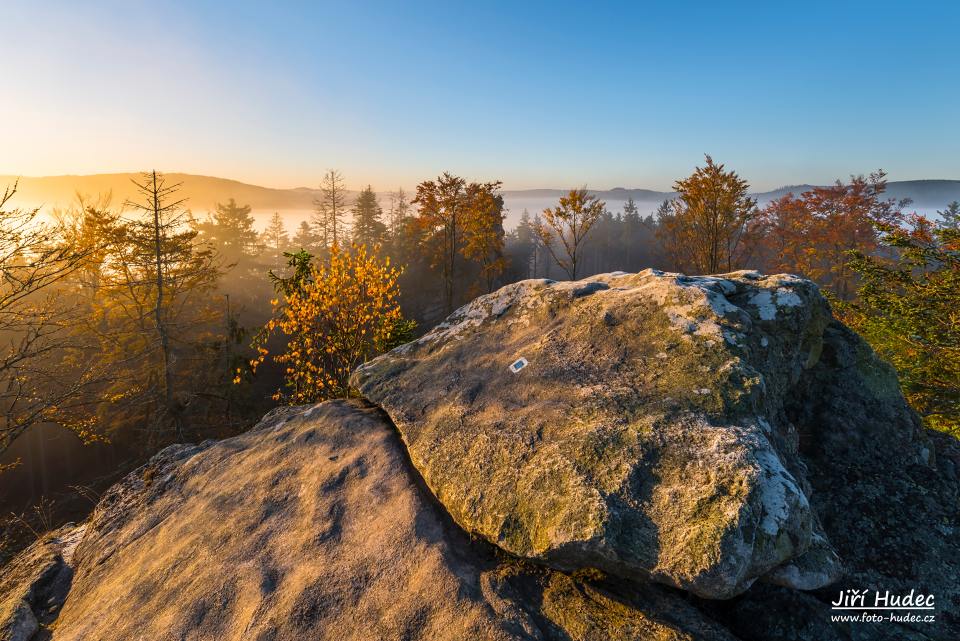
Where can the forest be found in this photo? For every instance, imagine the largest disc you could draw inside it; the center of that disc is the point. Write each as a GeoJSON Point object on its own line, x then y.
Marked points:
{"type": "Point", "coordinates": [133, 325]}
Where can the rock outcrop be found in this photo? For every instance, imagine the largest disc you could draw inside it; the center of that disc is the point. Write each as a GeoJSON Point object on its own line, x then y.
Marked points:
{"type": "Point", "coordinates": [631, 456]}
{"type": "Point", "coordinates": [313, 526]}
{"type": "Point", "coordinates": [646, 435]}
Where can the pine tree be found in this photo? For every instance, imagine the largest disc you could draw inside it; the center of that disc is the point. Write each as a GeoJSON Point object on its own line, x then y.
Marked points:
{"type": "Point", "coordinates": [276, 241]}
{"type": "Point", "coordinates": [950, 217]}
{"type": "Point", "coordinates": [330, 209]}
{"type": "Point", "coordinates": [526, 245]}
{"type": "Point", "coordinates": [230, 231]}
{"type": "Point", "coordinates": [399, 211]}
{"type": "Point", "coordinates": [907, 309]}
{"type": "Point", "coordinates": [158, 271]}
{"type": "Point", "coordinates": [632, 232]}
{"type": "Point", "coordinates": [541, 258]}
{"type": "Point", "coordinates": [368, 228]}
{"type": "Point", "coordinates": [306, 238]}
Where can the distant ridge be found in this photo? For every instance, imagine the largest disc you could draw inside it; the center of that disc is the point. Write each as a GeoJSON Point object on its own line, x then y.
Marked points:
{"type": "Point", "coordinates": [203, 192]}
{"type": "Point", "coordinates": [924, 193]}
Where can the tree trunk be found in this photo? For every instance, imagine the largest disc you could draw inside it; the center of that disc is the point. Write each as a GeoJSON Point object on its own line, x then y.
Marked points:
{"type": "Point", "coordinates": [158, 313]}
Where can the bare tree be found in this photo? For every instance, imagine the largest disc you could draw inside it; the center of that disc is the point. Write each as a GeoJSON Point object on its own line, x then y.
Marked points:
{"type": "Point", "coordinates": [36, 386]}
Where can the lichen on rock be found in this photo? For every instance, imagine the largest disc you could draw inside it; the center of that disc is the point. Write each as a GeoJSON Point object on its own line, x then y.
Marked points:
{"type": "Point", "coordinates": [645, 436]}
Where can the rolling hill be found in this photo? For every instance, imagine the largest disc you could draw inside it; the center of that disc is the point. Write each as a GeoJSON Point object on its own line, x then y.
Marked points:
{"type": "Point", "coordinates": [296, 204]}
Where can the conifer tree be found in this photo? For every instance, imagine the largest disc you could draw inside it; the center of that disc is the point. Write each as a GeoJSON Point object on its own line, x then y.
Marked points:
{"type": "Point", "coordinates": [230, 230]}
{"type": "Point", "coordinates": [909, 311]}
{"type": "Point", "coordinates": [368, 228]}
{"type": "Point", "coordinates": [399, 211]}
{"type": "Point", "coordinates": [161, 255]}
{"type": "Point", "coordinates": [307, 238]}
{"type": "Point", "coordinates": [275, 241]}
{"type": "Point", "coordinates": [330, 209]}
{"type": "Point", "coordinates": [950, 217]}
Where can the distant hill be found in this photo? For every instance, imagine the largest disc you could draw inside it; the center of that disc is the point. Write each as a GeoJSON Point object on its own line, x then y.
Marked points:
{"type": "Point", "coordinates": [203, 192]}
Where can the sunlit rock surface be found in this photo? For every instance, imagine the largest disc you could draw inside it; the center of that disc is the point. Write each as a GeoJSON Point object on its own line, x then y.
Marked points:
{"type": "Point", "coordinates": [313, 526]}
{"type": "Point", "coordinates": [646, 435]}
{"type": "Point", "coordinates": [35, 584]}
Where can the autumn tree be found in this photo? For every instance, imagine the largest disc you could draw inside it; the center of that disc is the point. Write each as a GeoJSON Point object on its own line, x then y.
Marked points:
{"type": "Point", "coordinates": [483, 231]}
{"type": "Point", "coordinates": [330, 208]}
{"type": "Point", "coordinates": [452, 214]}
{"type": "Point", "coordinates": [710, 217]}
{"type": "Point", "coordinates": [334, 315]}
{"type": "Point", "coordinates": [368, 227]}
{"type": "Point", "coordinates": [909, 311]}
{"type": "Point", "coordinates": [568, 224]}
{"type": "Point", "coordinates": [812, 234]}
{"type": "Point", "coordinates": [442, 207]}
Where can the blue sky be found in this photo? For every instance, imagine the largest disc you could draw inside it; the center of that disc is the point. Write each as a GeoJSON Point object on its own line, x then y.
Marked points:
{"type": "Point", "coordinates": [536, 94]}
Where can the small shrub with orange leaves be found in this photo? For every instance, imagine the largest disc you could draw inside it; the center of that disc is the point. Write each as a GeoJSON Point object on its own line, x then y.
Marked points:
{"type": "Point", "coordinates": [336, 315]}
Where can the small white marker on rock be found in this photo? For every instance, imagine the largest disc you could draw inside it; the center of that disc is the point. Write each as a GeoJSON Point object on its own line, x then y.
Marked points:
{"type": "Point", "coordinates": [518, 364]}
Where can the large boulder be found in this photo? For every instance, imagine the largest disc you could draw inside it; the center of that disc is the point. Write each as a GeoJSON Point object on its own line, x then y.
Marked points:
{"type": "Point", "coordinates": [314, 526]}
{"type": "Point", "coordinates": [636, 423]}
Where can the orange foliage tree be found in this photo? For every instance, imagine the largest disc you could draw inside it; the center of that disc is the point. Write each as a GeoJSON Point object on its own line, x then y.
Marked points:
{"type": "Point", "coordinates": [814, 233]}
{"type": "Point", "coordinates": [706, 227]}
{"type": "Point", "coordinates": [483, 231]}
{"type": "Point", "coordinates": [569, 223]}
{"type": "Point", "coordinates": [335, 316]}
{"type": "Point", "coordinates": [461, 220]}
